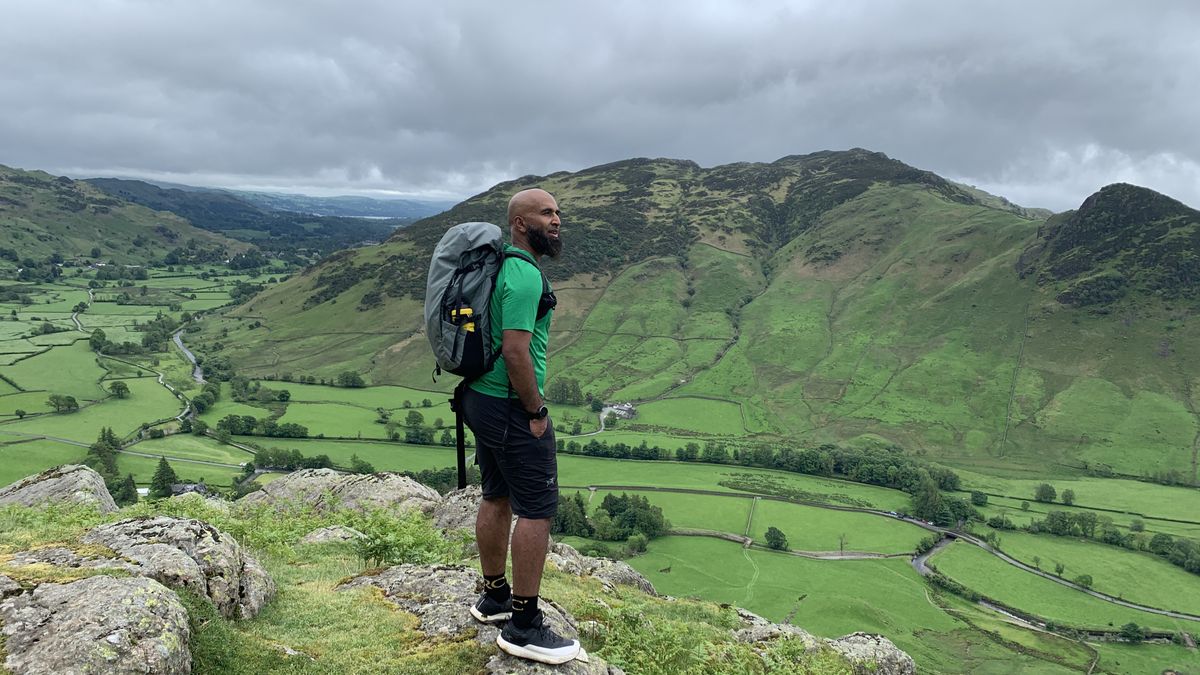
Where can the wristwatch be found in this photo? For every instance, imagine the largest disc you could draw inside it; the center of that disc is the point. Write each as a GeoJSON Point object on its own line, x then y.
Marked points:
{"type": "Point", "coordinates": [541, 413]}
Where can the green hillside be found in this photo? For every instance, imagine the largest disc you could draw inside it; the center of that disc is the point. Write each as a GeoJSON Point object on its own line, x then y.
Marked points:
{"type": "Point", "coordinates": [834, 297]}
{"type": "Point", "coordinates": [41, 214]}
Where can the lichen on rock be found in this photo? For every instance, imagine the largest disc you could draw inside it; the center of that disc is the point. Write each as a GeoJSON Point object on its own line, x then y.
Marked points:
{"type": "Point", "coordinates": [101, 624]}
{"type": "Point", "coordinates": [69, 483]}
{"type": "Point", "coordinates": [191, 554]}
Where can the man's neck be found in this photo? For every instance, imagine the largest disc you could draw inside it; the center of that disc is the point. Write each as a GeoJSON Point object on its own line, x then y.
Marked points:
{"type": "Point", "coordinates": [524, 246]}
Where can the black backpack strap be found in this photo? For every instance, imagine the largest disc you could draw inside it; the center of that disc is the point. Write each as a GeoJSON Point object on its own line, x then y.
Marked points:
{"type": "Point", "coordinates": [456, 404]}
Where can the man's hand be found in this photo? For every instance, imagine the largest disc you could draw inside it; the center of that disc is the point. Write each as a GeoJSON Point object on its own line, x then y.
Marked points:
{"type": "Point", "coordinates": [538, 427]}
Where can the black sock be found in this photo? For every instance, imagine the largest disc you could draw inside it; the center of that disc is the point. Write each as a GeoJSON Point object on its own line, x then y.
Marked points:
{"type": "Point", "coordinates": [496, 587]}
{"type": "Point", "coordinates": [524, 609]}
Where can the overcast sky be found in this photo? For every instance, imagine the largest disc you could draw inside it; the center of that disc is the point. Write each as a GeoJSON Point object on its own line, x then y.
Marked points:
{"type": "Point", "coordinates": [1041, 102]}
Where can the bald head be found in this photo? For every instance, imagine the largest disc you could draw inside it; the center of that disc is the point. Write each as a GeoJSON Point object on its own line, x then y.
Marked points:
{"type": "Point", "coordinates": [527, 202]}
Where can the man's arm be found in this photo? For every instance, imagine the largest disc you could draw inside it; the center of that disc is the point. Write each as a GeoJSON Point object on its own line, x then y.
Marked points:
{"type": "Point", "coordinates": [515, 348]}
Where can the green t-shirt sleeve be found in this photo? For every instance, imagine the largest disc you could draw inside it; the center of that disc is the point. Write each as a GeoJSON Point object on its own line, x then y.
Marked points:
{"type": "Point", "coordinates": [519, 296]}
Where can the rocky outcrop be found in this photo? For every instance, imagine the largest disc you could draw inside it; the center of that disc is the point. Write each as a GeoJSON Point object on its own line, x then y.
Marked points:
{"type": "Point", "coordinates": [335, 533]}
{"type": "Point", "coordinates": [873, 654]}
{"type": "Point", "coordinates": [441, 596]}
{"type": "Point", "coordinates": [191, 554]}
{"type": "Point", "coordinates": [609, 572]}
{"type": "Point", "coordinates": [70, 483]}
{"type": "Point", "coordinates": [101, 624]}
{"type": "Point", "coordinates": [458, 509]}
{"type": "Point", "coordinates": [8, 587]}
{"type": "Point", "coordinates": [867, 654]}
{"type": "Point", "coordinates": [326, 488]}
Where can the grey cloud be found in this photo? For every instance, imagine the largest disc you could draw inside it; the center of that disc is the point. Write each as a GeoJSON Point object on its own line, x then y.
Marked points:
{"type": "Point", "coordinates": [1048, 102]}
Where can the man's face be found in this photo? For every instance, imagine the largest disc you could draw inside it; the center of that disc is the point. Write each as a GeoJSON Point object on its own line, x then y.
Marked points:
{"type": "Point", "coordinates": [542, 222]}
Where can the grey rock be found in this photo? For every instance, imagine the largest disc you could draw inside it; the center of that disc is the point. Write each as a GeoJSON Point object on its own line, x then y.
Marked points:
{"type": "Point", "coordinates": [441, 595]}
{"type": "Point", "coordinates": [69, 483]}
{"type": "Point", "coordinates": [873, 655]}
{"type": "Point", "coordinates": [323, 488]}
{"type": "Point", "coordinates": [101, 624]}
{"type": "Point", "coordinates": [867, 654]}
{"type": "Point", "coordinates": [458, 509]}
{"type": "Point", "coordinates": [8, 587]}
{"type": "Point", "coordinates": [610, 572]}
{"type": "Point", "coordinates": [334, 533]}
{"type": "Point", "coordinates": [191, 554]}
{"type": "Point", "coordinates": [60, 556]}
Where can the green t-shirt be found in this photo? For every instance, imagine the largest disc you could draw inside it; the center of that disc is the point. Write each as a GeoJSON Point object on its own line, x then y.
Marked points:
{"type": "Point", "coordinates": [514, 306]}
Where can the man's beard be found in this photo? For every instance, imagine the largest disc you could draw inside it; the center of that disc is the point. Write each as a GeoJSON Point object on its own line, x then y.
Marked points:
{"type": "Point", "coordinates": [543, 244]}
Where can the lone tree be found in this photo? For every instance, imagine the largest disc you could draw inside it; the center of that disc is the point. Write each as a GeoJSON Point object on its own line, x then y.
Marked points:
{"type": "Point", "coordinates": [1131, 632]}
{"type": "Point", "coordinates": [978, 498]}
{"type": "Point", "coordinates": [164, 477]}
{"type": "Point", "coordinates": [776, 539]}
{"type": "Point", "coordinates": [1068, 497]}
{"type": "Point", "coordinates": [127, 492]}
{"type": "Point", "coordinates": [1045, 493]}
{"type": "Point", "coordinates": [119, 389]}
{"type": "Point", "coordinates": [1059, 568]}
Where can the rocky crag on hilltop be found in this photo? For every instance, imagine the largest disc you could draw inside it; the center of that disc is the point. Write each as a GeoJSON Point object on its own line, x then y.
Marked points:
{"type": "Point", "coordinates": [110, 601]}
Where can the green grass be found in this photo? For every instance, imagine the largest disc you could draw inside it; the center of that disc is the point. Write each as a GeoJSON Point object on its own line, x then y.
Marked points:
{"type": "Point", "coordinates": [148, 401]}
{"type": "Point", "coordinates": [706, 512]}
{"type": "Point", "coordinates": [335, 420]}
{"type": "Point", "coordinates": [1137, 659]}
{"type": "Point", "coordinates": [143, 469]}
{"type": "Point", "coordinates": [810, 528]}
{"type": "Point", "coordinates": [19, 459]}
{"type": "Point", "coordinates": [575, 470]}
{"type": "Point", "coordinates": [982, 572]}
{"type": "Point", "coordinates": [69, 370]}
{"type": "Point", "coordinates": [189, 446]}
{"type": "Point", "coordinates": [1135, 576]}
{"type": "Point", "coordinates": [830, 598]}
{"type": "Point", "coordinates": [692, 414]}
{"type": "Point", "coordinates": [383, 456]}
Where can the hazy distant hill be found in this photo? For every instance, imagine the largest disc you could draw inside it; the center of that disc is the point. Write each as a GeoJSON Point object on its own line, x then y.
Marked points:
{"type": "Point", "coordinates": [41, 214]}
{"type": "Point", "coordinates": [347, 206]}
{"type": "Point", "coordinates": [836, 296]}
{"type": "Point", "coordinates": [237, 217]}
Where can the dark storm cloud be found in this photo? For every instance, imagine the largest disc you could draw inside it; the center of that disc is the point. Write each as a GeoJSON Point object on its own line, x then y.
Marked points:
{"type": "Point", "coordinates": [1040, 104]}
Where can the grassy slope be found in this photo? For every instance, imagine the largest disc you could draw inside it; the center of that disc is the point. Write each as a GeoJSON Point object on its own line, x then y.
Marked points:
{"type": "Point", "coordinates": [41, 214]}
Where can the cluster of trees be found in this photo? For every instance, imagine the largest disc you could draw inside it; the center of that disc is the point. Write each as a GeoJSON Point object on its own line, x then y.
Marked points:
{"type": "Point", "coordinates": [164, 478]}
{"type": "Point", "coordinates": [46, 270]}
{"type": "Point", "coordinates": [566, 391]}
{"type": "Point", "coordinates": [63, 403]}
{"type": "Point", "coordinates": [1179, 551]}
{"type": "Point", "coordinates": [102, 458]}
{"type": "Point", "coordinates": [195, 253]}
{"type": "Point", "coordinates": [248, 425]}
{"type": "Point", "coordinates": [887, 467]}
{"type": "Point", "coordinates": [244, 389]}
{"type": "Point", "coordinates": [118, 272]}
{"type": "Point", "coordinates": [287, 460]}
{"type": "Point", "coordinates": [350, 379]}
{"type": "Point", "coordinates": [1046, 493]}
{"type": "Point", "coordinates": [444, 479]}
{"type": "Point", "coordinates": [776, 539]}
{"type": "Point", "coordinates": [210, 394]}
{"type": "Point", "coordinates": [628, 518]}
{"type": "Point", "coordinates": [47, 328]}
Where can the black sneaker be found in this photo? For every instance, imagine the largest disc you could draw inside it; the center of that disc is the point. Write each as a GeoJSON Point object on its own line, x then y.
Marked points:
{"type": "Point", "coordinates": [487, 610]}
{"type": "Point", "coordinates": [537, 643]}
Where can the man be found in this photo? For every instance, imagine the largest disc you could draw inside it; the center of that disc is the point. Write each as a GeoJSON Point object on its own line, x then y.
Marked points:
{"type": "Point", "coordinates": [514, 438]}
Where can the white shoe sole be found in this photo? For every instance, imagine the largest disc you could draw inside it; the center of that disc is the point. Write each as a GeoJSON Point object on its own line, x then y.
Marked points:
{"type": "Point", "coordinates": [533, 655]}
{"type": "Point", "coordinates": [492, 618]}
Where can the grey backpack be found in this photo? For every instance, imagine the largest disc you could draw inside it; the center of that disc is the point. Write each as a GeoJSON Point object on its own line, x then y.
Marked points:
{"type": "Point", "coordinates": [458, 291]}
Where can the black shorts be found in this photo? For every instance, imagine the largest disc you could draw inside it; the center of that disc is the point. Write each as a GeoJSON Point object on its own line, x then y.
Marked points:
{"type": "Point", "coordinates": [511, 461]}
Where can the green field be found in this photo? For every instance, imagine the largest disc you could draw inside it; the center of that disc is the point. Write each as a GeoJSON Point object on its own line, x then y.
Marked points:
{"type": "Point", "coordinates": [1135, 576]}
{"type": "Point", "coordinates": [336, 420]}
{"type": "Point", "coordinates": [19, 459]}
{"type": "Point", "coordinates": [188, 446]}
{"type": "Point", "coordinates": [148, 401]}
{"type": "Point", "coordinates": [705, 512]}
{"type": "Point", "coordinates": [810, 528]}
{"type": "Point", "coordinates": [574, 470]}
{"type": "Point", "coordinates": [705, 416]}
{"type": "Point", "coordinates": [143, 469]}
{"type": "Point", "coordinates": [984, 573]}
{"type": "Point", "coordinates": [69, 370]}
{"type": "Point", "coordinates": [383, 456]}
